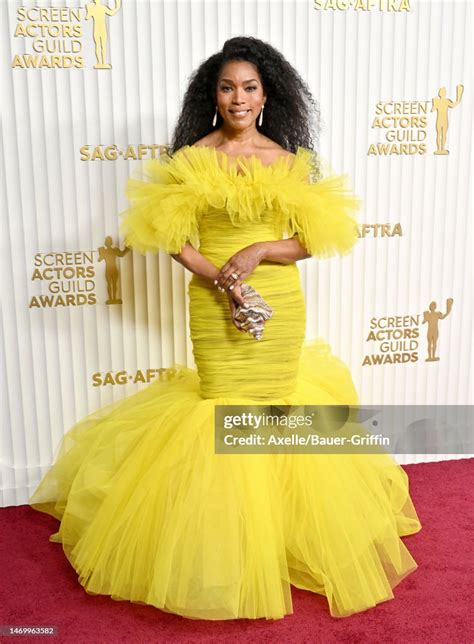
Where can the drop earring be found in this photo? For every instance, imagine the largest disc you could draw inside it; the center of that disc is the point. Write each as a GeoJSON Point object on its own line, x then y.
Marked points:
{"type": "Point", "coordinates": [214, 120]}
{"type": "Point", "coordinates": [260, 119]}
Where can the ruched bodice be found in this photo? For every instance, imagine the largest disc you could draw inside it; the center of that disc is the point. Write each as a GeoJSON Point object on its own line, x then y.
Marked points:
{"type": "Point", "coordinates": [222, 204]}
{"type": "Point", "coordinates": [219, 238]}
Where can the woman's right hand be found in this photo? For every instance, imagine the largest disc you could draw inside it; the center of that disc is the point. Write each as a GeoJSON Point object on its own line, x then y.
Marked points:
{"type": "Point", "coordinates": [236, 294]}
{"type": "Point", "coordinates": [235, 298]}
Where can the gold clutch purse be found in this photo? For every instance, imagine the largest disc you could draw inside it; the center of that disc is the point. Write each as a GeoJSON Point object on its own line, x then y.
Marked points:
{"type": "Point", "coordinates": [252, 318]}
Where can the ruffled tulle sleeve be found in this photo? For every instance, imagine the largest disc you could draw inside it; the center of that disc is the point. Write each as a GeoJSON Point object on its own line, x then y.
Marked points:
{"type": "Point", "coordinates": [171, 194]}
{"type": "Point", "coordinates": [321, 211]}
{"type": "Point", "coordinates": [164, 206]}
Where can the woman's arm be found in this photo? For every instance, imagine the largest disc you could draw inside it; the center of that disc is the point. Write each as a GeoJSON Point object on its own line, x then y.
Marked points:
{"type": "Point", "coordinates": [283, 251]}
{"type": "Point", "coordinates": [244, 262]}
{"type": "Point", "coordinates": [192, 259]}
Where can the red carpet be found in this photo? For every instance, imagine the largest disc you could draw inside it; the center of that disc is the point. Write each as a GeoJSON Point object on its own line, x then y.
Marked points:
{"type": "Point", "coordinates": [434, 604]}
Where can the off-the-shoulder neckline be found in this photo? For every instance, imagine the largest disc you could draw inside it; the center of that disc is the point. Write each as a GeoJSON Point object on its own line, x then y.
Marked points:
{"type": "Point", "coordinates": [244, 160]}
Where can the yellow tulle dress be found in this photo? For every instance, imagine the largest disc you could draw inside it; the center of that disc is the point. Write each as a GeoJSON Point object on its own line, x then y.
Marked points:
{"type": "Point", "coordinates": [148, 511]}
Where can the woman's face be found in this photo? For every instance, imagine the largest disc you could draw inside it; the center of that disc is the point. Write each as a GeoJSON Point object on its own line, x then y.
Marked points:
{"type": "Point", "coordinates": [239, 94]}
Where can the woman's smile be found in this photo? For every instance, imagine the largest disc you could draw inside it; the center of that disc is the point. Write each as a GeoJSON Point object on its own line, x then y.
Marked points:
{"type": "Point", "coordinates": [239, 113]}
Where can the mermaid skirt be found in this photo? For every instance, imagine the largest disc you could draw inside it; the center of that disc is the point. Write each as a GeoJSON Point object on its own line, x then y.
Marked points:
{"type": "Point", "coordinates": [150, 513]}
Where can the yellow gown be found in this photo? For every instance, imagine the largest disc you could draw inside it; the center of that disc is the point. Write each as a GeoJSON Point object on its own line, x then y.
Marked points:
{"type": "Point", "coordinates": [148, 511]}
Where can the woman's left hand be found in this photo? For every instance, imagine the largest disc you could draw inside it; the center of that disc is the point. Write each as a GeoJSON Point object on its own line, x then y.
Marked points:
{"type": "Point", "coordinates": [242, 264]}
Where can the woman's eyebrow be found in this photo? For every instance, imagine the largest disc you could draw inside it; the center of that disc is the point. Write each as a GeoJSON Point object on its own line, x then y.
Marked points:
{"type": "Point", "coordinates": [245, 81]}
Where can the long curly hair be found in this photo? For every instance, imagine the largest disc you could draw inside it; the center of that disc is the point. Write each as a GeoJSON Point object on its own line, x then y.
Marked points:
{"type": "Point", "coordinates": [292, 115]}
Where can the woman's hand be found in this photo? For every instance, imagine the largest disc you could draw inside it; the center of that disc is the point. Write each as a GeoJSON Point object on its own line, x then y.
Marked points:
{"type": "Point", "coordinates": [235, 298]}
{"type": "Point", "coordinates": [242, 264]}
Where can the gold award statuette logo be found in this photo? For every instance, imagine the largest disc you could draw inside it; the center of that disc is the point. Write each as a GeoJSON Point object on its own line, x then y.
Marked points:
{"type": "Point", "coordinates": [55, 35]}
{"type": "Point", "coordinates": [405, 125]}
{"type": "Point", "coordinates": [98, 12]}
{"type": "Point", "coordinates": [109, 254]}
{"type": "Point", "coordinates": [398, 336]}
{"type": "Point", "coordinates": [69, 278]}
{"type": "Point", "coordinates": [441, 105]}
{"type": "Point", "coordinates": [431, 318]}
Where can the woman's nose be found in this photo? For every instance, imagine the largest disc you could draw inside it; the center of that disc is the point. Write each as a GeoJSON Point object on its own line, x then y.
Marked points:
{"type": "Point", "coordinates": [239, 96]}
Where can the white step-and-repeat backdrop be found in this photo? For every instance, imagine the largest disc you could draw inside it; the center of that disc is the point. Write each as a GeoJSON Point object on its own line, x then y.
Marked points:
{"type": "Point", "coordinates": [89, 89]}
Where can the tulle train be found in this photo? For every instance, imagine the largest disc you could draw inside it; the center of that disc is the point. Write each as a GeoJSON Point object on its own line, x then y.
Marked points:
{"type": "Point", "coordinates": [151, 514]}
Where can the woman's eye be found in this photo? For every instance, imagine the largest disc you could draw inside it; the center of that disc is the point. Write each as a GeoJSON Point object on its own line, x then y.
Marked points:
{"type": "Point", "coordinates": [225, 87]}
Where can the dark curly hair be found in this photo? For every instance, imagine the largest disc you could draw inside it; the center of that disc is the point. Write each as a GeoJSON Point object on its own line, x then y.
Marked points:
{"type": "Point", "coordinates": [292, 115]}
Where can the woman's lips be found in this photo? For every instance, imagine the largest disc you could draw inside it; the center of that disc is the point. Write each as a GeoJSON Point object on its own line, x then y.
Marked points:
{"type": "Point", "coordinates": [239, 113]}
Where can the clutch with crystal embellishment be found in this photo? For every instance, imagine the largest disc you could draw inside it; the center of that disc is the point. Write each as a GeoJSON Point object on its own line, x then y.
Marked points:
{"type": "Point", "coordinates": [252, 318]}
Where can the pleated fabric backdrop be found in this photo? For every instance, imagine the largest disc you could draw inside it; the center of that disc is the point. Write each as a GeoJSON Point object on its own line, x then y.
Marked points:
{"type": "Point", "coordinates": [77, 119]}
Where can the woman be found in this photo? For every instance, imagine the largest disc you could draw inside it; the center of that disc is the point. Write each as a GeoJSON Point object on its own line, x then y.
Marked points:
{"type": "Point", "coordinates": [149, 511]}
